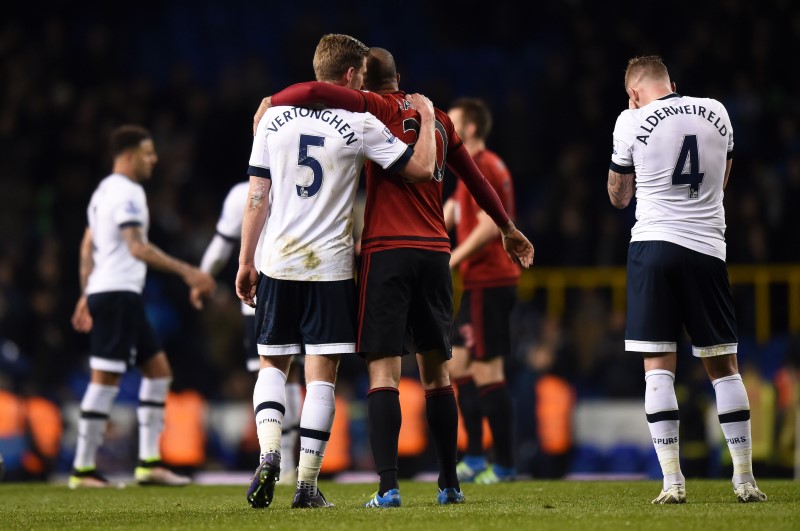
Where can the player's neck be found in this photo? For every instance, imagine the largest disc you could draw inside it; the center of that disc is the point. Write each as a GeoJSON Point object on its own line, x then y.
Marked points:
{"type": "Point", "coordinates": [388, 88]}
{"type": "Point", "coordinates": [654, 93]}
{"type": "Point", "coordinates": [126, 170]}
{"type": "Point", "coordinates": [474, 146]}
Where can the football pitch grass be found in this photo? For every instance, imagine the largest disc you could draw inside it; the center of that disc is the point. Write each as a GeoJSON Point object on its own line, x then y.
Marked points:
{"type": "Point", "coordinates": [521, 505]}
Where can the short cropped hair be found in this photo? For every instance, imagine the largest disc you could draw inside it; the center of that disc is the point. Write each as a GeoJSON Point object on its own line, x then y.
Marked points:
{"type": "Point", "coordinates": [127, 137]}
{"type": "Point", "coordinates": [475, 112]}
{"type": "Point", "coordinates": [335, 54]}
{"type": "Point", "coordinates": [648, 66]}
{"type": "Point", "coordinates": [381, 69]}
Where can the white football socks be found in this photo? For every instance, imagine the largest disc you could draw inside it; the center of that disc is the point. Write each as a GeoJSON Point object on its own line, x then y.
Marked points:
{"type": "Point", "coordinates": [316, 422]}
{"type": "Point", "coordinates": [291, 427]}
{"type": "Point", "coordinates": [95, 407]}
{"type": "Point", "coordinates": [269, 405]}
{"type": "Point", "coordinates": [661, 407]}
{"type": "Point", "coordinates": [150, 413]}
{"type": "Point", "coordinates": [733, 409]}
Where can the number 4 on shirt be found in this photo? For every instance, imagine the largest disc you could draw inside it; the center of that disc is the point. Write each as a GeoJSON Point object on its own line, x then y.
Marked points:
{"type": "Point", "coordinates": [694, 178]}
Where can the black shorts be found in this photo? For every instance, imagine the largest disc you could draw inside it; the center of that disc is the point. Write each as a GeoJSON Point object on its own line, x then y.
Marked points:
{"type": "Point", "coordinates": [252, 361]}
{"type": "Point", "coordinates": [305, 317]}
{"type": "Point", "coordinates": [250, 350]}
{"type": "Point", "coordinates": [483, 325]}
{"type": "Point", "coordinates": [121, 335]}
{"type": "Point", "coordinates": [405, 302]}
{"type": "Point", "coordinates": [669, 286]}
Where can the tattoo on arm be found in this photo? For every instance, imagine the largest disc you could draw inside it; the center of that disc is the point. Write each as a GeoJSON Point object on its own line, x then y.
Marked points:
{"type": "Point", "coordinates": [621, 188]}
{"type": "Point", "coordinates": [257, 195]}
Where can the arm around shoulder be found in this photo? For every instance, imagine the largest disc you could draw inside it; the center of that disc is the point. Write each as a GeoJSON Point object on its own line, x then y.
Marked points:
{"type": "Point", "coordinates": [422, 164]}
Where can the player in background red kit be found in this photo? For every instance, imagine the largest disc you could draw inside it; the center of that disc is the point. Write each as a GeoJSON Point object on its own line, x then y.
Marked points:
{"type": "Point", "coordinates": [482, 335]}
{"type": "Point", "coordinates": [405, 286]}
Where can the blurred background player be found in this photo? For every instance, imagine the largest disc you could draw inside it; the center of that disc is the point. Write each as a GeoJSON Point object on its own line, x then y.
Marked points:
{"type": "Point", "coordinates": [674, 154]}
{"type": "Point", "coordinates": [115, 254]}
{"type": "Point", "coordinates": [225, 240]}
{"type": "Point", "coordinates": [405, 286]}
{"type": "Point", "coordinates": [482, 331]}
{"type": "Point", "coordinates": [306, 294]}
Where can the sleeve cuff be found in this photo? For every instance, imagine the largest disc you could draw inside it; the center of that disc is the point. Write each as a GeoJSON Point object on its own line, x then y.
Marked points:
{"type": "Point", "coordinates": [401, 161]}
{"type": "Point", "coordinates": [126, 224]}
{"type": "Point", "coordinates": [257, 171]}
{"type": "Point", "coordinates": [624, 170]}
{"type": "Point", "coordinates": [232, 239]}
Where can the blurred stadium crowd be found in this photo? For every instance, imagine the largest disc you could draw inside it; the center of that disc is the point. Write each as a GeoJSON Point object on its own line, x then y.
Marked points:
{"type": "Point", "coordinates": [194, 74]}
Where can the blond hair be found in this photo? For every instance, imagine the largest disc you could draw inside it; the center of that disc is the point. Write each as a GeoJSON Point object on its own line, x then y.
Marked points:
{"type": "Point", "coordinates": [646, 66]}
{"type": "Point", "coordinates": [335, 54]}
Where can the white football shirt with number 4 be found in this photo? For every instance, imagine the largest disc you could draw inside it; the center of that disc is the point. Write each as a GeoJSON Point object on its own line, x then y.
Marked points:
{"type": "Point", "coordinates": [314, 158]}
{"type": "Point", "coordinates": [678, 146]}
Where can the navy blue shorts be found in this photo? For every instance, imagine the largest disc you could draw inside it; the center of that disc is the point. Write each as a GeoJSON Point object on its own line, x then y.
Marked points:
{"type": "Point", "coordinates": [670, 286]}
{"type": "Point", "coordinates": [250, 350]}
{"type": "Point", "coordinates": [121, 335]}
{"type": "Point", "coordinates": [406, 302]}
{"type": "Point", "coordinates": [483, 325]}
{"type": "Point", "coordinates": [305, 317]}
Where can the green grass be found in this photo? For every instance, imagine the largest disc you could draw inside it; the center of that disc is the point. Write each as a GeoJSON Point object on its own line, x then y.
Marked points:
{"type": "Point", "coordinates": [521, 505]}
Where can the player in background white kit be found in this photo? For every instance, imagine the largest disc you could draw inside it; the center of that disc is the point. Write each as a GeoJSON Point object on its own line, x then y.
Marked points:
{"type": "Point", "coordinates": [219, 250]}
{"type": "Point", "coordinates": [308, 163]}
{"type": "Point", "coordinates": [674, 152]}
{"type": "Point", "coordinates": [115, 254]}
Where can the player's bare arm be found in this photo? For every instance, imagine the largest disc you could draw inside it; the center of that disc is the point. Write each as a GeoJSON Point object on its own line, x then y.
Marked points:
{"type": "Point", "coordinates": [517, 246]}
{"type": "Point", "coordinates": [81, 317]}
{"type": "Point", "coordinates": [155, 257]}
{"type": "Point", "coordinates": [255, 215]}
{"type": "Point", "coordinates": [86, 265]}
{"type": "Point", "coordinates": [421, 165]}
{"type": "Point", "coordinates": [621, 188]}
{"type": "Point", "coordinates": [483, 233]}
{"type": "Point", "coordinates": [728, 164]}
{"type": "Point", "coordinates": [449, 214]}
{"type": "Point", "coordinates": [266, 103]}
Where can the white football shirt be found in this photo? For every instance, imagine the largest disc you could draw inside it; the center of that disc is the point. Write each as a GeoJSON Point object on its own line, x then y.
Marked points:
{"type": "Point", "coordinates": [117, 202]}
{"type": "Point", "coordinates": [314, 158]}
{"type": "Point", "coordinates": [678, 146]}
{"type": "Point", "coordinates": [229, 225]}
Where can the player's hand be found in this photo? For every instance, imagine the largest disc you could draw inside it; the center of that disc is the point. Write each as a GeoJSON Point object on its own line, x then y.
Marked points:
{"type": "Point", "coordinates": [517, 246]}
{"type": "Point", "coordinates": [421, 103]}
{"type": "Point", "coordinates": [266, 103]}
{"type": "Point", "coordinates": [81, 317]}
{"type": "Point", "coordinates": [246, 283]}
{"type": "Point", "coordinates": [197, 298]}
{"type": "Point", "coordinates": [202, 285]}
